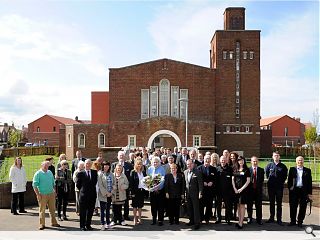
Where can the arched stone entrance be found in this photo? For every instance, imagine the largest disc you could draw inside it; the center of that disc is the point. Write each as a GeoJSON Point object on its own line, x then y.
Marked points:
{"type": "Point", "coordinates": [163, 132]}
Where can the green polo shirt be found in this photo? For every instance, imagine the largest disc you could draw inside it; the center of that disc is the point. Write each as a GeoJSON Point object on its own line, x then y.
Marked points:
{"type": "Point", "coordinates": [44, 181]}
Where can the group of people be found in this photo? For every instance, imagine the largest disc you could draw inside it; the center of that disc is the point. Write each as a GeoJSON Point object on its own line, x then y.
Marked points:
{"type": "Point", "coordinates": [187, 178]}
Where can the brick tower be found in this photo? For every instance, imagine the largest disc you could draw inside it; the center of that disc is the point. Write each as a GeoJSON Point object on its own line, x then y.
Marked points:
{"type": "Point", "coordinates": [235, 56]}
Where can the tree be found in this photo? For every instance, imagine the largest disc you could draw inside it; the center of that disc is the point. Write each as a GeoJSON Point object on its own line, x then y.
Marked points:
{"type": "Point", "coordinates": [14, 137]}
{"type": "Point", "coordinates": [311, 135]}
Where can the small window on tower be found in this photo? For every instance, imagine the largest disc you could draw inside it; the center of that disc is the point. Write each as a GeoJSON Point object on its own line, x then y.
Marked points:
{"type": "Point", "coordinates": [251, 54]}
{"type": "Point", "coordinates": [224, 55]}
{"type": "Point", "coordinates": [231, 55]}
{"type": "Point", "coordinates": [245, 54]}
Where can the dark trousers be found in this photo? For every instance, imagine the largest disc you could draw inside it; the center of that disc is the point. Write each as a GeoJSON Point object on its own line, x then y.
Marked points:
{"type": "Point", "coordinates": [298, 197]}
{"type": "Point", "coordinates": [275, 194]}
{"type": "Point", "coordinates": [105, 212]}
{"type": "Point", "coordinates": [62, 201]}
{"type": "Point", "coordinates": [206, 203]}
{"type": "Point", "coordinates": [227, 199]}
{"type": "Point", "coordinates": [256, 198]}
{"type": "Point", "coordinates": [193, 205]}
{"type": "Point", "coordinates": [174, 209]}
{"type": "Point", "coordinates": [126, 206]}
{"type": "Point", "coordinates": [86, 212]}
{"type": "Point", "coordinates": [157, 205]}
{"type": "Point", "coordinates": [117, 215]}
{"type": "Point", "coordinates": [14, 202]}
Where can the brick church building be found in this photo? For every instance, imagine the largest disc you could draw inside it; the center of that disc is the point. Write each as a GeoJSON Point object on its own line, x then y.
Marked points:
{"type": "Point", "coordinates": [148, 103]}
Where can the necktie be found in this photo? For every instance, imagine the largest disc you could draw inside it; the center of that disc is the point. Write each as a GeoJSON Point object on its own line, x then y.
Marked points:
{"type": "Point", "coordinates": [254, 178]}
{"type": "Point", "coordinates": [88, 174]}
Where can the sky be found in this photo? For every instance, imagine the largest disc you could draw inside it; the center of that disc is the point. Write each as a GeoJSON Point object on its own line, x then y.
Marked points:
{"type": "Point", "coordinates": [53, 54]}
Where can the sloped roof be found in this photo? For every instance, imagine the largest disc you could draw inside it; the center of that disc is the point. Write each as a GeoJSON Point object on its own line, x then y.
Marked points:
{"type": "Point", "coordinates": [268, 121]}
{"type": "Point", "coordinates": [64, 120]}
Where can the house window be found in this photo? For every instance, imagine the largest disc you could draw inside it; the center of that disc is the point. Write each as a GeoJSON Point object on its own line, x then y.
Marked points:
{"type": "Point", "coordinates": [251, 55]}
{"type": "Point", "coordinates": [227, 128]}
{"type": "Point", "coordinates": [183, 105]}
{"type": "Point", "coordinates": [154, 101]}
{"type": "Point", "coordinates": [237, 129]}
{"type": "Point", "coordinates": [164, 97]}
{"type": "Point", "coordinates": [237, 110]}
{"type": "Point", "coordinates": [69, 140]}
{"type": "Point", "coordinates": [101, 140]}
{"type": "Point", "coordinates": [224, 55]}
{"type": "Point", "coordinates": [144, 103]}
{"type": "Point", "coordinates": [81, 140]}
{"type": "Point", "coordinates": [132, 141]}
{"type": "Point", "coordinates": [237, 100]}
{"type": "Point", "coordinates": [174, 101]}
{"type": "Point", "coordinates": [245, 54]}
{"type": "Point", "coordinates": [231, 55]}
{"type": "Point", "coordinates": [54, 129]}
{"type": "Point", "coordinates": [286, 132]}
{"type": "Point", "coordinates": [247, 129]}
{"type": "Point", "coordinates": [38, 129]}
{"type": "Point", "coordinates": [196, 140]}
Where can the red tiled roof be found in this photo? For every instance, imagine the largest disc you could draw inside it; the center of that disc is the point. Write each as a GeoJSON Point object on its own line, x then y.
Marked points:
{"type": "Point", "coordinates": [64, 120]}
{"type": "Point", "coordinates": [268, 121]}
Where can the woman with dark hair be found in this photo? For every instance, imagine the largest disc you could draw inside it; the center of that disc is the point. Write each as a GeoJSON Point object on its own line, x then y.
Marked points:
{"type": "Point", "coordinates": [18, 177]}
{"type": "Point", "coordinates": [240, 182]}
{"type": "Point", "coordinates": [137, 191]}
{"type": "Point", "coordinates": [233, 161]}
{"type": "Point", "coordinates": [105, 194]}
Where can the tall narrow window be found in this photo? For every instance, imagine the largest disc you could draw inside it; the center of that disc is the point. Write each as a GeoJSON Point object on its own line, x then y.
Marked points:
{"type": "Point", "coordinates": [144, 103]}
{"type": "Point", "coordinates": [164, 97]}
{"type": "Point", "coordinates": [132, 141]}
{"type": "Point", "coordinates": [224, 55]}
{"type": "Point", "coordinates": [286, 132]}
{"type": "Point", "coordinates": [101, 140]}
{"type": "Point", "coordinates": [69, 140]}
{"type": "Point", "coordinates": [174, 101]}
{"type": "Point", "coordinates": [38, 129]}
{"type": "Point", "coordinates": [231, 55]}
{"type": "Point", "coordinates": [245, 55]}
{"type": "Point", "coordinates": [54, 129]}
{"type": "Point", "coordinates": [251, 55]}
{"type": "Point", "coordinates": [183, 94]}
{"type": "Point", "coordinates": [154, 101]}
{"type": "Point", "coordinates": [81, 140]}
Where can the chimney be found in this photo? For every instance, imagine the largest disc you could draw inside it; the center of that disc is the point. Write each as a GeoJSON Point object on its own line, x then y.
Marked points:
{"type": "Point", "coordinates": [76, 118]}
{"type": "Point", "coordinates": [298, 119]}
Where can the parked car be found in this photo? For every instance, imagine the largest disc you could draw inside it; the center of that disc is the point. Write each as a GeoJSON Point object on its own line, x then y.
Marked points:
{"type": "Point", "coordinates": [28, 145]}
{"type": "Point", "coordinates": [35, 145]}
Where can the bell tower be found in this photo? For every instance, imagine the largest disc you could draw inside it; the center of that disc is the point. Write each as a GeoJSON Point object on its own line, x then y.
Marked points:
{"type": "Point", "coordinates": [234, 18]}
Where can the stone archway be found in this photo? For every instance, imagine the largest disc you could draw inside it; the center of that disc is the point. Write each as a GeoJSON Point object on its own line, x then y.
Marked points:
{"type": "Point", "coordinates": [166, 132]}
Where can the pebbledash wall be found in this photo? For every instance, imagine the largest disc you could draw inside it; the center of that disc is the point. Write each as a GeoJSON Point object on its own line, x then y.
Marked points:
{"type": "Point", "coordinates": [223, 99]}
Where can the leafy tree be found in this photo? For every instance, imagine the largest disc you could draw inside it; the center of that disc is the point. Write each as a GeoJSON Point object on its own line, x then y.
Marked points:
{"type": "Point", "coordinates": [311, 135]}
{"type": "Point", "coordinates": [14, 137]}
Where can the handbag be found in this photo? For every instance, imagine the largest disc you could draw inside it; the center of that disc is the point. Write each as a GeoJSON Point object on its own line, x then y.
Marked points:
{"type": "Point", "coordinates": [183, 210]}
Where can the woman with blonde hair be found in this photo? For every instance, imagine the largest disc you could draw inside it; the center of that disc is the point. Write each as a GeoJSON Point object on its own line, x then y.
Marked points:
{"type": "Point", "coordinates": [137, 191]}
{"type": "Point", "coordinates": [214, 159]}
{"type": "Point", "coordinates": [18, 177]}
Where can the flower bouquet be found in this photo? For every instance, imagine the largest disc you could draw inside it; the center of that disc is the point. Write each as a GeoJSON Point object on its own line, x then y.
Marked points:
{"type": "Point", "coordinates": [151, 182]}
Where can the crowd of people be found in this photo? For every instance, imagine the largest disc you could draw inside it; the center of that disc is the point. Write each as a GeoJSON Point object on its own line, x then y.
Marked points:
{"type": "Point", "coordinates": [204, 183]}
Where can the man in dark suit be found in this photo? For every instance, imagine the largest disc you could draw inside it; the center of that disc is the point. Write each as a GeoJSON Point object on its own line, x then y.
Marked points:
{"type": "Point", "coordinates": [300, 190]}
{"type": "Point", "coordinates": [256, 190]}
{"type": "Point", "coordinates": [209, 184]}
{"type": "Point", "coordinates": [86, 183]}
{"type": "Point", "coordinates": [75, 161]}
{"type": "Point", "coordinates": [127, 167]}
{"type": "Point", "coordinates": [181, 160]}
{"type": "Point", "coordinates": [276, 173]}
{"type": "Point", "coordinates": [194, 188]}
{"type": "Point", "coordinates": [224, 189]}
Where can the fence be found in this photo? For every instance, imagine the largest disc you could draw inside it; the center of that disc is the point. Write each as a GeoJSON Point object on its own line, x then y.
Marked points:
{"type": "Point", "coordinates": [30, 151]}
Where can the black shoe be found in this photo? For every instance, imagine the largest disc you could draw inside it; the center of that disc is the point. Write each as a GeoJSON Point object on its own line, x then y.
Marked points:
{"type": "Point", "coordinates": [218, 221]}
{"type": "Point", "coordinates": [196, 227]}
{"type": "Point", "coordinates": [249, 220]}
{"type": "Point", "coordinates": [65, 218]}
{"type": "Point", "coordinates": [15, 213]}
{"type": "Point", "coordinates": [259, 222]}
{"type": "Point", "coordinates": [238, 226]}
{"type": "Point", "coordinates": [170, 223]}
{"type": "Point", "coordinates": [270, 220]}
{"type": "Point", "coordinates": [83, 229]}
{"type": "Point", "coordinates": [300, 225]}
{"type": "Point", "coordinates": [228, 222]}
{"type": "Point", "coordinates": [23, 211]}
{"type": "Point", "coordinates": [291, 224]}
{"type": "Point", "coordinates": [189, 224]}
{"type": "Point", "coordinates": [280, 223]}
{"type": "Point", "coordinates": [127, 218]}
{"type": "Point", "coordinates": [60, 219]}
{"type": "Point", "coordinates": [176, 222]}
{"type": "Point", "coordinates": [160, 223]}
{"type": "Point", "coordinates": [89, 228]}
{"type": "Point", "coordinates": [153, 223]}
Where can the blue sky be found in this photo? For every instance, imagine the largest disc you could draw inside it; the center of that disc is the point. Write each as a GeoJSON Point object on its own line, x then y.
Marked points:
{"type": "Point", "coordinates": [54, 53]}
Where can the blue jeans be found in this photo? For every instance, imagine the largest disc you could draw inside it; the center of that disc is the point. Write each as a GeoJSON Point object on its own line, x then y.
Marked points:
{"type": "Point", "coordinates": [105, 212]}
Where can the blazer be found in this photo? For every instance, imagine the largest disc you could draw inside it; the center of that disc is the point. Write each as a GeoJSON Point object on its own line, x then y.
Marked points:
{"type": "Point", "coordinates": [181, 163]}
{"type": "Point", "coordinates": [61, 181]}
{"type": "Point", "coordinates": [276, 174]}
{"type": "Point", "coordinates": [103, 181]}
{"type": "Point", "coordinates": [87, 186]}
{"type": "Point", "coordinates": [195, 186]}
{"type": "Point", "coordinates": [208, 178]}
{"type": "Point", "coordinates": [306, 179]}
{"type": "Point", "coordinates": [134, 181]}
{"type": "Point", "coordinates": [123, 184]}
{"type": "Point", "coordinates": [175, 189]}
{"type": "Point", "coordinates": [260, 178]}
{"type": "Point", "coordinates": [224, 180]}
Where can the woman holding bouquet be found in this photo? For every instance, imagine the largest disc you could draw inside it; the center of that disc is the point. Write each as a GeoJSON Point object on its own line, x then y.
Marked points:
{"type": "Point", "coordinates": [119, 187]}
{"type": "Point", "coordinates": [156, 172]}
{"type": "Point", "coordinates": [137, 191]}
{"type": "Point", "coordinates": [174, 189]}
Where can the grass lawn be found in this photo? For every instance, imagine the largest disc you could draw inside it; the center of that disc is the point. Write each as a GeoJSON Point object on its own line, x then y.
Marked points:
{"type": "Point", "coordinates": [30, 163]}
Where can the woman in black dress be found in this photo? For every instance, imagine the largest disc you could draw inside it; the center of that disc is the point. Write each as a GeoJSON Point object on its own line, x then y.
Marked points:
{"type": "Point", "coordinates": [240, 182]}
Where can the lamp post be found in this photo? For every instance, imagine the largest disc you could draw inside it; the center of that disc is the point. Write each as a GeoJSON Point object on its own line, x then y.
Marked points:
{"type": "Point", "coordinates": [186, 101]}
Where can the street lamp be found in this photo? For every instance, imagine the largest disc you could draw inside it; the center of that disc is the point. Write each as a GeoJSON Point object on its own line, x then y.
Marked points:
{"type": "Point", "coordinates": [186, 101]}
